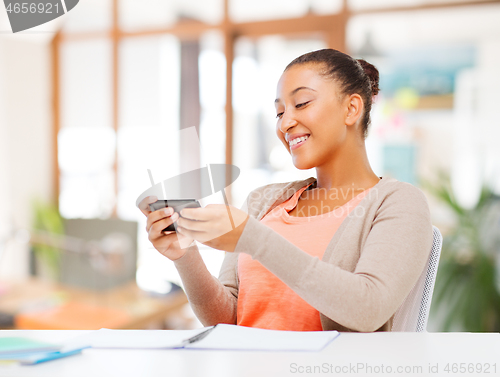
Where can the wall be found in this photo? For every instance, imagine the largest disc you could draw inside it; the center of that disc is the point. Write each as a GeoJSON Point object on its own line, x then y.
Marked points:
{"type": "Point", "coordinates": [25, 138]}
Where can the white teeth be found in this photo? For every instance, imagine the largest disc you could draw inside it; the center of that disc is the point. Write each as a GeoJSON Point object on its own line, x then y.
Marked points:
{"type": "Point", "coordinates": [298, 140]}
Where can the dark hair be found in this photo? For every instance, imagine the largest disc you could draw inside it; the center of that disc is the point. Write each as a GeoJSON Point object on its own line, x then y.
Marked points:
{"type": "Point", "coordinates": [353, 75]}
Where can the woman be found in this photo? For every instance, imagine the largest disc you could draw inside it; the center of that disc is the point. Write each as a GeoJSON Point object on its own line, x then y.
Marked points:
{"type": "Point", "coordinates": [340, 252]}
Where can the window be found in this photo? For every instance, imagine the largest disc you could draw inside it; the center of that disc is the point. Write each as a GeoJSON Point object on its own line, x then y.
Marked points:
{"type": "Point", "coordinates": [120, 92]}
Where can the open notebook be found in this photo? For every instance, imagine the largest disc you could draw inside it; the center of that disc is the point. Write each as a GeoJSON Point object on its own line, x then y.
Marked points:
{"type": "Point", "coordinates": [219, 337]}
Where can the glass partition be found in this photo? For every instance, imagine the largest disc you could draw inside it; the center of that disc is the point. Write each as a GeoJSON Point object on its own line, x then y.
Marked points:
{"type": "Point", "coordinates": [89, 16]}
{"type": "Point", "coordinates": [86, 141]}
{"type": "Point", "coordinates": [259, 10]}
{"type": "Point", "coordinates": [153, 14]}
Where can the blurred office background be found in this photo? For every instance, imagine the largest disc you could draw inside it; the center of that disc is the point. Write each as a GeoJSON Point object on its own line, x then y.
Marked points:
{"type": "Point", "coordinates": [90, 101]}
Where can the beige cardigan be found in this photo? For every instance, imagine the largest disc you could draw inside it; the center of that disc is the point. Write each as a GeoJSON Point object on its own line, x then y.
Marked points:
{"type": "Point", "coordinates": [368, 268]}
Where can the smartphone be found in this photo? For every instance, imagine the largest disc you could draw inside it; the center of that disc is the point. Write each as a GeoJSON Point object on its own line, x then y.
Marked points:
{"type": "Point", "coordinates": [177, 205]}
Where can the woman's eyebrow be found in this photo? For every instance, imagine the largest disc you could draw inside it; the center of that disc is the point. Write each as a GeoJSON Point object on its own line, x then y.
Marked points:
{"type": "Point", "coordinates": [295, 91]}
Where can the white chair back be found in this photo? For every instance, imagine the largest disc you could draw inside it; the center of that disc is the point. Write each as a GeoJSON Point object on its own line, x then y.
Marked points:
{"type": "Point", "coordinates": [413, 313]}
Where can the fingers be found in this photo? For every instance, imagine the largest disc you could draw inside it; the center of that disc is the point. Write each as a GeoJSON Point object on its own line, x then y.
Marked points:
{"type": "Point", "coordinates": [213, 219]}
{"type": "Point", "coordinates": [208, 213]}
{"type": "Point", "coordinates": [144, 204]}
{"type": "Point", "coordinates": [164, 243]}
{"type": "Point", "coordinates": [203, 230]}
{"type": "Point", "coordinates": [194, 225]}
{"type": "Point", "coordinates": [200, 214]}
{"type": "Point", "coordinates": [157, 216]}
{"type": "Point", "coordinates": [159, 220]}
{"type": "Point", "coordinates": [156, 230]}
{"type": "Point", "coordinates": [193, 235]}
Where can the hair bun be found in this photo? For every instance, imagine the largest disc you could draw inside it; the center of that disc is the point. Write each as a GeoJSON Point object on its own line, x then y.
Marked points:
{"type": "Point", "coordinates": [372, 74]}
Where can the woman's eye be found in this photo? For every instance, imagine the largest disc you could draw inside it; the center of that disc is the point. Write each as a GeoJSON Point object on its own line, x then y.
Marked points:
{"type": "Point", "coordinates": [301, 105]}
{"type": "Point", "coordinates": [279, 115]}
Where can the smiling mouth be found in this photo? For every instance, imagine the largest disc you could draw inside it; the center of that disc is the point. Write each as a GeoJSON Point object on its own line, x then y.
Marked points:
{"type": "Point", "coordinates": [295, 143]}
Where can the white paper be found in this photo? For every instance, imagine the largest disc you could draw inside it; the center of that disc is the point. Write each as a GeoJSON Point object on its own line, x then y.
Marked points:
{"type": "Point", "coordinates": [222, 337]}
{"type": "Point", "coordinates": [232, 337]}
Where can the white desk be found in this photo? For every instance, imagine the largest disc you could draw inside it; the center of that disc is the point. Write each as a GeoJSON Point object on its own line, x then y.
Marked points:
{"type": "Point", "coordinates": [349, 351]}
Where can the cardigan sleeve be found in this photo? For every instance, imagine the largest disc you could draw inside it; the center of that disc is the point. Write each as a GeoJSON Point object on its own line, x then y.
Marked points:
{"type": "Point", "coordinates": [391, 260]}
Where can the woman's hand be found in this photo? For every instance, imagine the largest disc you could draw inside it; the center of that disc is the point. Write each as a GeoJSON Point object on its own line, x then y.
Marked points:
{"type": "Point", "coordinates": [216, 225]}
{"type": "Point", "coordinates": [170, 244]}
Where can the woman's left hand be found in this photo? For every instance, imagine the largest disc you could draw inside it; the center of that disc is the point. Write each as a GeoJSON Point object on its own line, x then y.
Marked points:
{"type": "Point", "coordinates": [216, 225]}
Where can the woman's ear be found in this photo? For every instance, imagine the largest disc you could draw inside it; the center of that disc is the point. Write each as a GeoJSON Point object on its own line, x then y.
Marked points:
{"type": "Point", "coordinates": [354, 104]}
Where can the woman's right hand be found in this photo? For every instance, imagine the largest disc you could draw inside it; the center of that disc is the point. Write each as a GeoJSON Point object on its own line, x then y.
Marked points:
{"type": "Point", "coordinates": [167, 243]}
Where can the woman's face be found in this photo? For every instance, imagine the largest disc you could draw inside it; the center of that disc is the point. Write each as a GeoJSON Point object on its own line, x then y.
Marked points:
{"type": "Point", "coordinates": [309, 105]}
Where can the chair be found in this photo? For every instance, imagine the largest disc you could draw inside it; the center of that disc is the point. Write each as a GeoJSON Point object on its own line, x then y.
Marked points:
{"type": "Point", "coordinates": [413, 313]}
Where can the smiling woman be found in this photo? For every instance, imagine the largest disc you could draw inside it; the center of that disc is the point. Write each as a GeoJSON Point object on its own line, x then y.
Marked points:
{"type": "Point", "coordinates": [338, 252]}
{"type": "Point", "coordinates": [323, 110]}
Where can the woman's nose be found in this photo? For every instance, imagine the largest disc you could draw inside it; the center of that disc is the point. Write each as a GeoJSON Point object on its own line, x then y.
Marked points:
{"type": "Point", "coordinates": [287, 122]}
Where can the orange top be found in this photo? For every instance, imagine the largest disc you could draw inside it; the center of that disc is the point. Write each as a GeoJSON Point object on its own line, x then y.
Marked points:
{"type": "Point", "coordinates": [264, 301]}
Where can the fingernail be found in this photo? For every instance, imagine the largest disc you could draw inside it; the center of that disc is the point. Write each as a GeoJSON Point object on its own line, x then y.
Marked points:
{"type": "Point", "coordinates": [168, 211]}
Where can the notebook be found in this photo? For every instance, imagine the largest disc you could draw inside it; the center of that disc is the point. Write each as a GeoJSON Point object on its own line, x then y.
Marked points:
{"type": "Point", "coordinates": [28, 351]}
{"type": "Point", "coordinates": [13, 345]}
{"type": "Point", "coordinates": [219, 337]}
